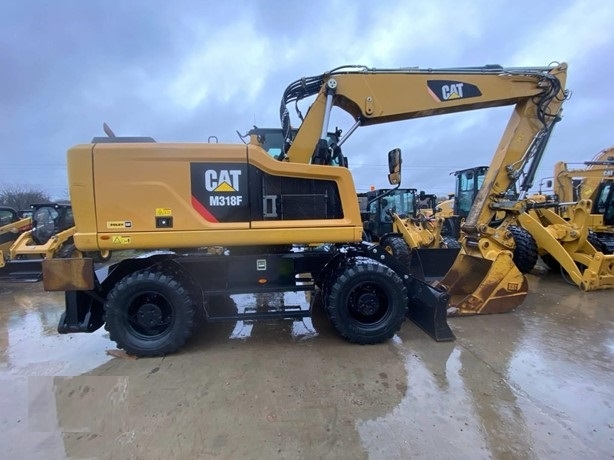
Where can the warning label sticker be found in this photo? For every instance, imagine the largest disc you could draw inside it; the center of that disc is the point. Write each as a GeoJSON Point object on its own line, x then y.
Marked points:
{"type": "Point", "coordinates": [164, 212]}
{"type": "Point", "coordinates": [121, 239]}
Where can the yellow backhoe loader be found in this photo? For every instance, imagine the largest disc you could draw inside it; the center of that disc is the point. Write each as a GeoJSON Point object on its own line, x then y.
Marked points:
{"type": "Point", "coordinates": [134, 193]}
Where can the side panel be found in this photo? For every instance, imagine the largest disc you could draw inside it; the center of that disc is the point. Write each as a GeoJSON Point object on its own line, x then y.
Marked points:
{"type": "Point", "coordinates": [150, 196]}
{"type": "Point", "coordinates": [81, 188]}
{"type": "Point", "coordinates": [138, 185]}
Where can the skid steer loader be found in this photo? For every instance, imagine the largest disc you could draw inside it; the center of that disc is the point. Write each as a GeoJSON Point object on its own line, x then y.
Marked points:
{"type": "Point", "coordinates": [46, 234]}
{"type": "Point", "coordinates": [265, 213]}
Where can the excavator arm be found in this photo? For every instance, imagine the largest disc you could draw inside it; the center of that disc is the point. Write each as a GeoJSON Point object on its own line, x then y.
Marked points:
{"type": "Point", "coordinates": [484, 278]}
{"type": "Point", "coordinates": [374, 96]}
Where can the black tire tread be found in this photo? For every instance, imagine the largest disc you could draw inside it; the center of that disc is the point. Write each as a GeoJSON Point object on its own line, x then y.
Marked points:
{"type": "Point", "coordinates": [114, 311]}
{"type": "Point", "coordinates": [450, 242]}
{"type": "Point", "coordinates": [397, 246]}
{"type": "Point", "coordinates": [525, 252]}
{"type": "Point", "coordinates": [336, 308]}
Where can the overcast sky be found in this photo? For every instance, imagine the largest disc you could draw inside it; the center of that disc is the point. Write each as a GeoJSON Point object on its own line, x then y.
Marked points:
{"type": "Point", "coordinates": [187, 70]}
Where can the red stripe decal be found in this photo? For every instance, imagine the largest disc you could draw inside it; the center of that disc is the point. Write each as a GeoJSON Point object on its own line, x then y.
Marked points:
{"type": "Point", "coordinates": [203, 211]}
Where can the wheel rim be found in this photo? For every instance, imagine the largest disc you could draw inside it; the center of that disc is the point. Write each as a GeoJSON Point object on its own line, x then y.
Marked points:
{"type": "Point", "coordinates": [150, 315]}
{"type": "Point", "coordinates": [368, 304]}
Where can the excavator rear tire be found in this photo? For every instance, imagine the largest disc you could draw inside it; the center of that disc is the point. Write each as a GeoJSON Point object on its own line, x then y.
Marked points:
{"type": "Point", "coordinates": [367, 303]}
{"type": "Point", "coordinates": [525, 252]}
{"type": "Point", "coordinates": [397, 247]}
{"type": "Point", "coordinates": [149, 313]}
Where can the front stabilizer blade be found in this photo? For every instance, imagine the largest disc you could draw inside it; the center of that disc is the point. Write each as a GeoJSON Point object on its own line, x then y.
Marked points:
{"type": "Point", "coordinates": [481, 286]}
{"type": "Point", "coordinates": [428, 310]}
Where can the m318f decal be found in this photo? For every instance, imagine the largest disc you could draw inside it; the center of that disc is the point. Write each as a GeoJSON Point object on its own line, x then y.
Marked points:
{"type": "Point", "coordinates": [219, 191]}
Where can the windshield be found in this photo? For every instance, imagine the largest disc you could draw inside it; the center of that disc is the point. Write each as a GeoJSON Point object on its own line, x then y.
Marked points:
{"type": "Point", "coordinates": [468, 183]}
{"type": "Point", "coordinates": [273, 140]}
{"type": "Point", "coordinates": [401, 200]}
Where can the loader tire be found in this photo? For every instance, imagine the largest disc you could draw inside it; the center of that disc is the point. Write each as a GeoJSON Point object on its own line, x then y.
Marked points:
{"type": "Point", "coordinates": [525, 252]}
{"type": "Point", "coordinates": [397, 247]}
{"type": "Point", "coordinates": [450, 242]}
{"type": "Point", "coordinates": [367, 303]}
{"type": "Point", "coordinates": [551, 263]}
{"type": "Point", "coordinates": [149, 313]}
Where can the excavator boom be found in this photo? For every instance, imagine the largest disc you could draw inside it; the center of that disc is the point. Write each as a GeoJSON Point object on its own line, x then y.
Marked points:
{"type": "Point", "coordinates": [484, 278]}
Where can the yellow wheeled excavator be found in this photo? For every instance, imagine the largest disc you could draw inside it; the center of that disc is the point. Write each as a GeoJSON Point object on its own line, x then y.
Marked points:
{"type": "Point", "coordinates": [266, 213]}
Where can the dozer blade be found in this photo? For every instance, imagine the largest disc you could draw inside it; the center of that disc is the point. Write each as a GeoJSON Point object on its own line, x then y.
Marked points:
{"type": "Point", "coordinates": [428, 310]}
{"type": "Point", "coordinates": [428, 306]}
{"type": "Point", "coordinates": [481, 286]}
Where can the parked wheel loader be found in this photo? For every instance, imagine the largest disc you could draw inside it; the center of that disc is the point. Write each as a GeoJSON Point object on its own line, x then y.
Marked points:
{"type": "Point", "coordinates": [562, 233]}
{"type": "Point", "coordinates": [594, 182]}
{"type": "Point", "coordinates": [468, 183]}
{"type": "Point", "coordinates": [404, 223]}
{"type": "Point", "coordinates": [266, 213]}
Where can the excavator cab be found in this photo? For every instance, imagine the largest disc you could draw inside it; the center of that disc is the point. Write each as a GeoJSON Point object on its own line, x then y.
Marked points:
{"type": "Point", "coordinates": [272, 140]}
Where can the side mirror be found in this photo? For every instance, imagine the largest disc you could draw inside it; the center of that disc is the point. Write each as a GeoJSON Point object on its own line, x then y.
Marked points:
{"type": "Point", "coordinates": [549, 183]}
{"type": "Point", "coordinates": [422, 195]}
{"type": "Point", "coordinates": [394, 166]}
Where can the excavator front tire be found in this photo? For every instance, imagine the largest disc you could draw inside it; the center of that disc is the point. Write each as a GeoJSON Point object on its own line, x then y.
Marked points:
{"type": "Point", "coordinates": [367, 303]}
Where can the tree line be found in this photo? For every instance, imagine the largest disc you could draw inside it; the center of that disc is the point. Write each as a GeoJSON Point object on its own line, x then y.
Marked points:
{"type": "Point", "coordinates": [22, 196]}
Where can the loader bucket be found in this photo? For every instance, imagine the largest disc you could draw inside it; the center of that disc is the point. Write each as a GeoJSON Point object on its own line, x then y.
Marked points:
{"type": "Point", "coordinates": [480, 286]}
{"type": "Point", "coordinates": [434, 263]}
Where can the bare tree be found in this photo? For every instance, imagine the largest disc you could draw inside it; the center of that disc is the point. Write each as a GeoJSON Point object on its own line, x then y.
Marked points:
{"type": "Point", "coordinates": [22, 196]}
